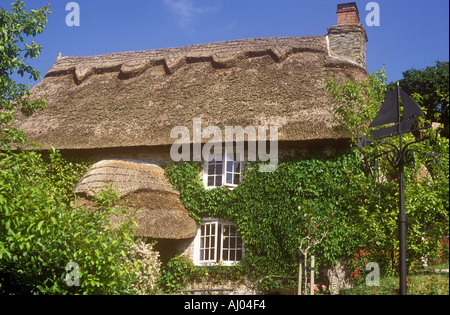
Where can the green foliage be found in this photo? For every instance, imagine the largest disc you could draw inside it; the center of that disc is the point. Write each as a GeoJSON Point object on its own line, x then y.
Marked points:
{"type": "Point", "coordinates": [426, 184]}
{"type": "Point", "coordinates": [357, 103]}
{"type": "Point", "coordinates": [15, 27]}
{"type": "Point", "coordinates": [273, 210]}
{"type": "Point", "coordinates": [418, 284]}
{"type": "Point", "coordinates": [145, 267]}
{"type": "Point", "coordinates": [337, 194]}
{"type": "Point", "coordinates": [175, 274]}
{"type": "Point", "coordinates": [40, 233]}
{"type": "Point", "coordinates": [432, 84]}
{"type": "Point", "coordinates": [180, 271]}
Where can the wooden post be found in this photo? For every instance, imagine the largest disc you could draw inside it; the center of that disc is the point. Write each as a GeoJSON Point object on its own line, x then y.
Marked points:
{"type": "Point", "coordinates": [306, 274]}
{"type": "Point", "coordinates": [312, 275]}
{"type": "Point", "coordinates": [299, 291]}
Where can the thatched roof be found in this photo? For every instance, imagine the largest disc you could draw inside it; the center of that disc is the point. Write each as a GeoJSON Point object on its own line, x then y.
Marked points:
{"type": "Point", "coordinates": [145, 188]}
{"type": "Point", "coordinates": [136, 98]}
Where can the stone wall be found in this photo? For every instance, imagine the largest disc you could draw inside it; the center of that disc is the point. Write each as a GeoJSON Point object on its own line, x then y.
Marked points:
{"type": "Point", "coordinates": [242, 287]}
{"type": "Point", "coordinates": [338, 277]}
{"type": "Point", "coordinates": [349, 41]}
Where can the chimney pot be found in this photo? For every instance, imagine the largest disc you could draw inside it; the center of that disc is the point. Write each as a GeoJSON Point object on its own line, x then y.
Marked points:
{"type": "Point", "coordinates": [348, 39]}
{"type": "Point", "coordinates": [347, 13]}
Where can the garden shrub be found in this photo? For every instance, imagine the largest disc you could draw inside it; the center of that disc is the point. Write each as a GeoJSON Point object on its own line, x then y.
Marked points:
{"type": "Point", "coordinates": [41, 233]}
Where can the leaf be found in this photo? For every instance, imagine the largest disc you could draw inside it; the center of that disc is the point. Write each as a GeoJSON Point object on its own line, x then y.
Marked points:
{"type": "Point", "coordinates": [39, 226]}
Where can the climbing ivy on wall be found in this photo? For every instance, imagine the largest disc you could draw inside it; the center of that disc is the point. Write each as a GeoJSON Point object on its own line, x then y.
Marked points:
{"type": "Point", "coordinates": [273, 210]}
{"type": "Point", "coordinates": [335, 193]}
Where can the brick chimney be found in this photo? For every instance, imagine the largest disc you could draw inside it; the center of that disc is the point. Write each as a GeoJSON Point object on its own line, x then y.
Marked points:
{"type": "Point", "coordinates": [348, 39]}
{"type": "Point", "coordinates": [347, 13]}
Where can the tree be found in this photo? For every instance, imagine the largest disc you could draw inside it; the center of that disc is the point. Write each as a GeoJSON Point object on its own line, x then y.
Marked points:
{"type": "Point", "coordinates": [432, 86]}
{"type": "Point", "coordinates": [15, 28]}
{"type": "Point", "coordinates": [427, 185]}
{"type": "Point", "coordinates": [41, 232]}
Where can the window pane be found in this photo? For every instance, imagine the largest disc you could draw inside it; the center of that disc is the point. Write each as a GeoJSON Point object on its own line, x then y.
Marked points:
{"type": "Point", "coordinates": [229, 178]}
{"type": "Point", "coordinates": [210, 181]}
{"type": "Point", "coordinates": [232, 255]}
{"type": "Point", "coordinates": [229, 166]}
{"type": "Point", "coordinates": [225, 242]}
{"type": "Point", "coordinates": [225, 255]}
{"type": "Point", "coordinates": [219, 168]}
{"type": "Point", "coordinates": [210, 168]}
{"type": "Point", "coordinates": [238, 255]}
{"type": "Point", "coordinates": [219, 181]}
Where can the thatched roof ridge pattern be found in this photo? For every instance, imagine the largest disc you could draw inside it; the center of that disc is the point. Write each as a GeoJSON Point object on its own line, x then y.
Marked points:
{"type": "Point", "coordinates": [219, 55]}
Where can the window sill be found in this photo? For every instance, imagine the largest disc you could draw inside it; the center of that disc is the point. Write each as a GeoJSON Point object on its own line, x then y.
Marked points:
{"type": "Point", "coordinates": [214, 264]}
{"type": "Point", "coordinates": [229, 186]}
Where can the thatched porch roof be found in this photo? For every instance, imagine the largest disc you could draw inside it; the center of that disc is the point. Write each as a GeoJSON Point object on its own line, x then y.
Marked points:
{"type": "Point", "coordinates": [145, 188]}
{"type": "Point", "coordinates": [134, 99]}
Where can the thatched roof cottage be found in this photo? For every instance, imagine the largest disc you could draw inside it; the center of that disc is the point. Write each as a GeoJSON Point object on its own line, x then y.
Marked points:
{"type": "Point", "coordinates": [123, 106]}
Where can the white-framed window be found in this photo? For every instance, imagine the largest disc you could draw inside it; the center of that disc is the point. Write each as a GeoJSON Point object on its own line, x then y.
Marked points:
{"type": "Point", "coordinates": [213, 172]}
{"type": "Point", "coordinates": [222, 170]}
{"type": "Point", "coordinates": [217, 241]}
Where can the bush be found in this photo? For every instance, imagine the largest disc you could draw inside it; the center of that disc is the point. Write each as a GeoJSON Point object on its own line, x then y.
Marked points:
{"type": "Point", "coordinates": [41, 233]}
{"type": "Point", "coordinates": [175, 274]}
{"type": "Point", "coordinates": [146, 267]}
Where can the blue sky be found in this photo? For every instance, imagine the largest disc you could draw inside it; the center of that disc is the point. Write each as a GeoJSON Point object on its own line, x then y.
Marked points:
{"type": "Point", "coordinates": [412, 33]}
